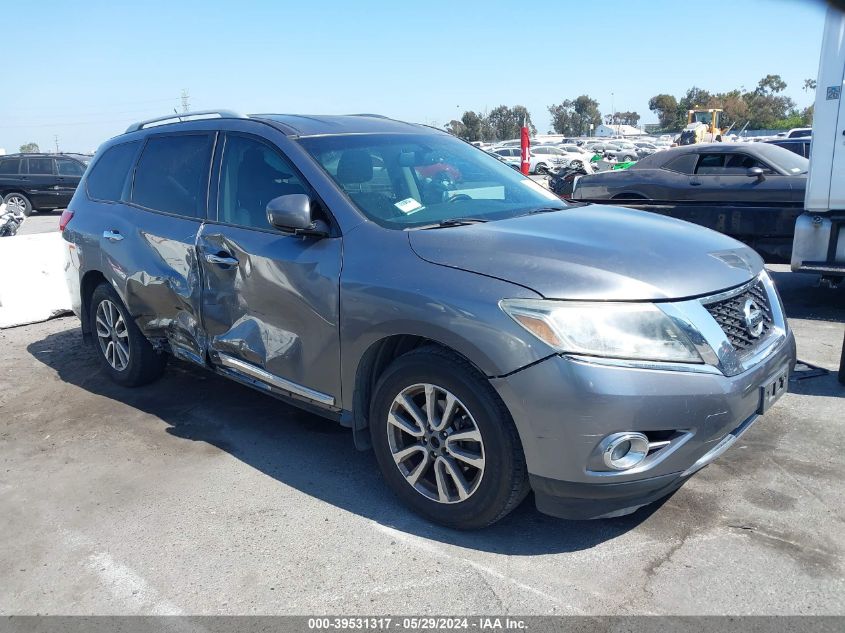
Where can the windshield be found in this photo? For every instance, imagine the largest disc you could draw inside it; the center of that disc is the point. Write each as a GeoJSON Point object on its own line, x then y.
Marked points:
{"type": "Point", "coordinates": [407, 180]}
{"type": "Point", "coordinates": [788, 161]}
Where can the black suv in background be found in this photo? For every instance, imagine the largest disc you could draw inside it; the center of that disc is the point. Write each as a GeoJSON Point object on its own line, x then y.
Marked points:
{"type": "Point", "coordinates": [34, 182]}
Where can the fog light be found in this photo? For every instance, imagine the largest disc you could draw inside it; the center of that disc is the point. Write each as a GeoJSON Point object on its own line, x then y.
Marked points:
{"type": "Point", "coordinates": [622, 451]}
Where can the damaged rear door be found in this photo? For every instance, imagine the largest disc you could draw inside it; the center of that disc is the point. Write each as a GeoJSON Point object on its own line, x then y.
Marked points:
{"type": "Point", "coordinates": [149, 244]}
{"type": "Point", "coordinates": [270, 300]}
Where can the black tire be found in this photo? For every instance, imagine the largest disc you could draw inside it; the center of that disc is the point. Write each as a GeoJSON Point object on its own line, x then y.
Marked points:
{"type": "Point", "coordinates": [541, 169]}
{"type": "Point", "coordinates": [628, 158]}
{"type": "Point", "coordinates": [16, 197]}
{"type": "Point", "coordinates": [576, 164]}
{"type": "Point", "coordinates": [504, 482]}
{"type": "Point", "coordinates": [144, 364]}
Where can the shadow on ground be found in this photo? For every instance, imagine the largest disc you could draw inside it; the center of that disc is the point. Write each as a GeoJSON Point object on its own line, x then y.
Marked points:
{"type": "Point", "coordinates": [307, 452]}
{"type": "Point", "coordinates": [805, 299]}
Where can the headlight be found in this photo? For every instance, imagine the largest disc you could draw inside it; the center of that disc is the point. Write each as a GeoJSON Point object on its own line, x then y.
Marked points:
{"type": "Point", "coordinates": [639, 331]}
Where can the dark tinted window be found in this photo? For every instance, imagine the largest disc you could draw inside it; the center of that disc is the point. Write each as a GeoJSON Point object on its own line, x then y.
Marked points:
{"type": "Point", "coordinates": [109, 174]}
{"type": "Point", "coordinates": [710, 164]}
{"type": "Point", "coordinates": [40, 166]}
{"type": "Point", "coordinates": [684, 163]}
{"type": "Point", "coordinates": [67, 167]}
{"type": "Point", "coordinates": [739, 164]}
{"type": "Point", "coordinates": [172, 174]}
{"type": "Point", "coordinates": [10, 165]}
{"type": "Point", "coordinates": [252, 174]}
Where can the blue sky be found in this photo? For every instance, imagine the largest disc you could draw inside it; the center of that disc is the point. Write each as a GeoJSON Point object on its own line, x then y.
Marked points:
{"type": "Point", "coordinates": [117, 62]}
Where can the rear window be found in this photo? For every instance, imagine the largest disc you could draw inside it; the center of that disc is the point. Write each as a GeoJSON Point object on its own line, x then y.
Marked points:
{"type": "Point", "coordinates": [172, 174]}
{"type": "Point", "coordinates": [10, 166]}
{"type": "Point", "coordinates": [109, 174]}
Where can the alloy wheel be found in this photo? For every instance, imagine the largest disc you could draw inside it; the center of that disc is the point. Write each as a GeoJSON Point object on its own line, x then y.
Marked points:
{"type": "Point", "coordinates": [15, 204]}
{"type": "Point", "coordinates": [112, 335]}
{"type": "Point", "coordinates": [435, 443]}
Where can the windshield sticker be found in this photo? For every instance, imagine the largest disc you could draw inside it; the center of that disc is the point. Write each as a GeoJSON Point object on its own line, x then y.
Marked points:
{"type": "Point", "coordinates": [408, 206]}
{"type": "Point", "coordinates": [539, 189]}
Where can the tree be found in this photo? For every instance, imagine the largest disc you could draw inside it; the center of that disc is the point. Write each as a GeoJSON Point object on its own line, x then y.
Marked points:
{"type": "Point", "coordinates": [472, 122]}
{"type": "Point", "coordinates": [505, 122]}
{"type": "Point", "coordinates": [29, 148]}
{"type": "Point", "coordinates": [666, 108]}
{"type": "Point", "coordinates": [765, 105]}
{"type": "Point", "coordinates": [734, 108]}
{"type": "Point", "coordinates": [622, 118]}
{"type": "Point", "coordinates": [456, 128]}
{"type": "Point", "coordinates": [574, 116]}
{"type": "Point", "coordinates": [809, 84]}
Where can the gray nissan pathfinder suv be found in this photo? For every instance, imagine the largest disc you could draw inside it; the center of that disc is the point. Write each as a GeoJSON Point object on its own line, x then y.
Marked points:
{"type": "Point", "coordinates": [483, 337]}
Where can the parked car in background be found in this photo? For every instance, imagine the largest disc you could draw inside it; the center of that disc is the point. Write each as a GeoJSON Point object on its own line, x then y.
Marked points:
{"type": "Point", "coordinates": [646, 148]}
{"type": "Point", "coordinates": [796, 132]}
{"type": "Point", "coordinates": [472, 331]}
{"type": "Point", "coordinates": [36, 182]}
{"type": "Point", "coordinates": [800, 145]}
{"type": "Point", "coordinates": [753, 192]}
{"type": "Point", "coordinates": [508, 155]}
{"type": "Point", "coordinates": [546, 158]}
{"type": "Point", "coordinates": [614, 150]}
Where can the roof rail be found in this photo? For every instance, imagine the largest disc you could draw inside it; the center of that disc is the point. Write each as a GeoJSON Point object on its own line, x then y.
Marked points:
{"type": "Point", "coordinates": [185, 116]}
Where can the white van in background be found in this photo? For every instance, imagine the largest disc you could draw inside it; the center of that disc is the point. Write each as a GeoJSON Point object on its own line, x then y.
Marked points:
{"type": "Point", "coordinates": [819, 243]}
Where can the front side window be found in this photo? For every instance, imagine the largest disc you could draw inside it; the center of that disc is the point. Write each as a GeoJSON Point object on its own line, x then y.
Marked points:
{"type": "Point", "coordinates": [109, 175]}
{"type": "Point", "coordinates": [252, 173]}
{"type": "Point", "coordinates": [10, 166]}
{"type": "Point", "coordinates": [67, 167]}
{"type": "Point", "coordinates": [739, 164]}
{"type": "Point", "coordinates": [40, 166]}
{"type": "Point", "coordinates": [414, 180]}
{"type": "Point", "coordinates": [172, 174]}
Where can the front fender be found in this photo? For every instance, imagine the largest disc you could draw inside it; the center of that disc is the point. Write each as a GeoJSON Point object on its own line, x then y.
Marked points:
{"type": "Point", "coordinates": [455, 308]}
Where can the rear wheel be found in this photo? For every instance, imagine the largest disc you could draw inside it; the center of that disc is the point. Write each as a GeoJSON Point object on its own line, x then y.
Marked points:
{"type": "Point", "coordinates": [576, 164]}
{"type": "Point", "coordinates": [124, 353]}
{"type": "Point", "coordinates": [18, 203]}
{"type": "Point", "coordinates": [445, 442]}
{"type": "Point", "coordinates": [541, 169]}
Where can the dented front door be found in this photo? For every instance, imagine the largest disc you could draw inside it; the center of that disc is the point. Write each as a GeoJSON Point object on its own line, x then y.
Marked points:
{"type": "Point", "coordinates": [269, 299]}
{"type": "Point", "coordinates": [270, 308]}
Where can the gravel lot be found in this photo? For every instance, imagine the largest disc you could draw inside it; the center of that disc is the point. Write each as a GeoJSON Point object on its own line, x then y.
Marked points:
{"type": "Point", "coordinates": [196, 495]}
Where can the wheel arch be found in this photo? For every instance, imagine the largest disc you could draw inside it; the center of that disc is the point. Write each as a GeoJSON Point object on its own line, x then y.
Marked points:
{"type": "Point", "coordinates": [90, 280]}
{"type": "Point", "coordinates": [372, 364]}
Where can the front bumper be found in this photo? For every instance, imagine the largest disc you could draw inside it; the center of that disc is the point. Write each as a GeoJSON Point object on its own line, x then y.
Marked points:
{"type": "Point", "coordinates": [564, 407]}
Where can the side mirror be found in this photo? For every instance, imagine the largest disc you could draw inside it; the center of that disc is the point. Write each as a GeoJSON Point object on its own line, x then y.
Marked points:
{"type": "Point", "coordinates": [755, 172]}
{"type": "Point", "coordinates": [292, 214]}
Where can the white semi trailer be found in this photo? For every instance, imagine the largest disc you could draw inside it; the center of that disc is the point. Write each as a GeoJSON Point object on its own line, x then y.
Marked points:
{"type": "Point", "coordinates": [819, 243]}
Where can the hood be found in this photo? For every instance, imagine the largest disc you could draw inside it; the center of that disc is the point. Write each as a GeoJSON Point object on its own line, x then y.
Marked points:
{"type": "Point", "coordinates": [595, 252]}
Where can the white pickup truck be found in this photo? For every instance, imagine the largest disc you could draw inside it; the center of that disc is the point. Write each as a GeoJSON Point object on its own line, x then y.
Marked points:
{"type": "Point", "coordinates": [819, 243]}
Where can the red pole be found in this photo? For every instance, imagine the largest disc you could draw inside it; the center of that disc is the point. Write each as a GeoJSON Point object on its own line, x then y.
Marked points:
{"type": "Point", "coordinates": [524, 145]}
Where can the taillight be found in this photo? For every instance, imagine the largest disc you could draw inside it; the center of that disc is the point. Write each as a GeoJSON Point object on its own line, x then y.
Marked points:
{"type": "Point", "coordinates": [67, 216]}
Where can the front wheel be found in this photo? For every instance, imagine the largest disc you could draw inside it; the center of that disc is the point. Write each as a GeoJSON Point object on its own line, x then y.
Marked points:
{"type": "Point", "coordinates": [541, 169]}
{"type": "Point", "coordinates": [445, 441]}
{"type": "Point", "coordinates": [124, 352]}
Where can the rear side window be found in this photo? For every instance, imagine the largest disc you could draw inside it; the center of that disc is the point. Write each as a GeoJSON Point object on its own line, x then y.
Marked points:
{"type": "Point", "coordinates": [710, 164]}
{"type": "Point", "coordinates": [10, 166]}
{"type": "Point", "coordinates": [684, 164]}
{"type": "Point", "coordinates": [40, 166]}
{"type": "Point", "coordinates": [109, 174]}
{"type": "Point", "coordinates": [67, 167]}
{"type": "Point", "coordinates": [172, 174]}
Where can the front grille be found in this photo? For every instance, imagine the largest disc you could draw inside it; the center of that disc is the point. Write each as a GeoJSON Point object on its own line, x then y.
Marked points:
{"type": "Point", "coordinates": [730, 315]}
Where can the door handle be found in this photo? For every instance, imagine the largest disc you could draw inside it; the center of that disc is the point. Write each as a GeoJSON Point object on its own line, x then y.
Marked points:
{"type": "Point", "coordinates": [112, 236]}
{"type": "Point", "coordinates": [221, 260]}
{"type": "Point", "coordinates": [695, 184]}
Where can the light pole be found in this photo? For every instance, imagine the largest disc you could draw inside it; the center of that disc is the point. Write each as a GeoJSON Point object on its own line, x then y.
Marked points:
{"type": "Point", "coordinates": [612, 111]}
